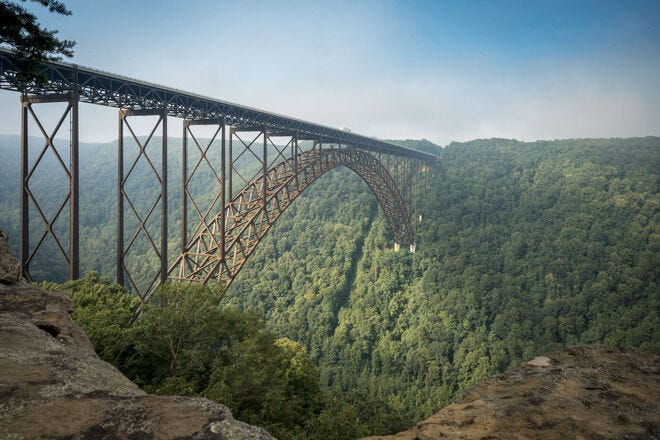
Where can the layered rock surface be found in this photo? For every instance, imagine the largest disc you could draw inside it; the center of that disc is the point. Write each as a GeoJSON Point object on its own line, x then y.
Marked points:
{"type": "Point", "coordinates": [584, 392]}
{"type": "Point", "coordinates": [54, 386]}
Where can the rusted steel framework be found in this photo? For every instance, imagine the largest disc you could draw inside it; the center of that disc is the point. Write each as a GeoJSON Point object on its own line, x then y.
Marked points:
{"type": "Point", "coordinates": [203, 214]}
{"type": "Point", "coordinates": [70, 167]}
{"type": "Point", "coordinates": [125, 199]}
{"type": "Point", "coordinates": [220, 247]}
{"type": "Point", "coordinates": [265, 161]}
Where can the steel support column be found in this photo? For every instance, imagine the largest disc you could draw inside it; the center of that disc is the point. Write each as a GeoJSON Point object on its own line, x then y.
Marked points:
{"type": "Point", "coordinates": [223, 197]}
{"type": "Point", "coordinates": [120, 199]}
{"type": "Point", "coordinates": [230, 154]}
{"type": "Point", "coordinates": [295, 151]}
{"type": "Point", "coordinates": [74, 207]}
{"type": "Point", "coordinates": [184, 185]}
{"type": "Point", "coordinates": [26, 254]}
{"type": "Point", "coordinates": [124, 275]}
{"type": "Point", "coordinates": [163, 217]}
{"type": "Point", "coordinates": [264, 171]}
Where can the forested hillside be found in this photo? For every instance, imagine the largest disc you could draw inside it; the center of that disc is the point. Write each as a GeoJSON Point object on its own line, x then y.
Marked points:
{"type": "Point", "coordinates": [523, 248]}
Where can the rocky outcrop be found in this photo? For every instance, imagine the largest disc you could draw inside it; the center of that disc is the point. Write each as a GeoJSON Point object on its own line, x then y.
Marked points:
{"type": "Point", "coordinates": [585, 392]}
{"type": "Point", "coordinates": [54, 386]}
{"type": "Point", "coordinates": [10, 269]}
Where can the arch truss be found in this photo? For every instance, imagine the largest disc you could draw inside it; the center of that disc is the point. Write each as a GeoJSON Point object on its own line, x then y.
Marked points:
{"type": "Point", "coordinates": [231, 227]}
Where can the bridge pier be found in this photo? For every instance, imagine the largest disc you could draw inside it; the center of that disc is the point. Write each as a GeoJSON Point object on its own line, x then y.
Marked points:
{"type": "Point", "coordinates": [27, 253]}
{"type": "Point", "coordinates": [142, 228]}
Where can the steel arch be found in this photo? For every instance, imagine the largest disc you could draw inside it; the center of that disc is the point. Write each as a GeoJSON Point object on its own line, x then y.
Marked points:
{"type": "Point", "coordinates": [247, 218]}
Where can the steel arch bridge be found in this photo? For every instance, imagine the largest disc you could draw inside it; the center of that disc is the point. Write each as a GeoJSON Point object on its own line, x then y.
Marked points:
{"type": "Point", "coordinates": [286, 156]}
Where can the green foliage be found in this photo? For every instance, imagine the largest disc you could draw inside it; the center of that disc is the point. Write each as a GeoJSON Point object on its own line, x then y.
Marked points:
{"type": "Point", "coordinates": [176, 329]}
{"type": "Point", "coordinates": [103, 310]}
{"type": "Point", "coordinates": [184, 344]}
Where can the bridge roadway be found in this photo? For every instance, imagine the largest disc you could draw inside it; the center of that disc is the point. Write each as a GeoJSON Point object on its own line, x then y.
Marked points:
{"type": "Point", "coordinates": [230, 228]}
{"type": "Point", "coordinates": [103, 88]}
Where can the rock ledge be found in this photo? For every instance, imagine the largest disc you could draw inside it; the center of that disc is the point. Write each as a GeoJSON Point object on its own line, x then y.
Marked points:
{"type": "Point", "coordinates": [583, 392]}
{"type": "Point", "coordinates": [54, 386]}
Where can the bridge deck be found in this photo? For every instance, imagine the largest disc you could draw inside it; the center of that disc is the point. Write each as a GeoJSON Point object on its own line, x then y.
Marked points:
{"type": "Point", "coordinates": [103, 88]}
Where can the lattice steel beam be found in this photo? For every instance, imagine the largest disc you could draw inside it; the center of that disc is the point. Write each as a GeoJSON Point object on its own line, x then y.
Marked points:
{"type": "Point", "coordinates": [104, 88]}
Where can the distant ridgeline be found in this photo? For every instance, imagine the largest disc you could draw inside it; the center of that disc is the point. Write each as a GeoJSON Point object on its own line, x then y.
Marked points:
{"type": "Point", "coordinates": [524, 248]}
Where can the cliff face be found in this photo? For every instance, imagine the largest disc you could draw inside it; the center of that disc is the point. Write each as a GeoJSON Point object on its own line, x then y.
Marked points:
{"type": "Point", "coordinates": [584, 392]}
{"type": "Point", "coordinates": [53, 385]}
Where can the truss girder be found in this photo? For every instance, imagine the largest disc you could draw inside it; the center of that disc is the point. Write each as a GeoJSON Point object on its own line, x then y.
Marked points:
{"type": "Point", "coordinates": [103, 88]}
{"type": "Point", "coordinates": [249, 215]}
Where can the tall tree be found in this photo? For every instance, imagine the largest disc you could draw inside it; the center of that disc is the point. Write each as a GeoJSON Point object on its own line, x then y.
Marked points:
{"type": "Point", "coordinates": [32, 43]}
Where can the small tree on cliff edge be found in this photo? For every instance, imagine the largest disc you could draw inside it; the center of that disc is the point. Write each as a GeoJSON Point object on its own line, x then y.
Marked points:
{"type": "Point", "coordinates": [20, 31]}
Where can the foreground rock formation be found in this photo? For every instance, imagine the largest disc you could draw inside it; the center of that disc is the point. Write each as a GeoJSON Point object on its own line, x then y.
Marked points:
{"type": "Point", "coordinates": [53, 385]}
{"type": "Point", "coordinates": [585, 392]}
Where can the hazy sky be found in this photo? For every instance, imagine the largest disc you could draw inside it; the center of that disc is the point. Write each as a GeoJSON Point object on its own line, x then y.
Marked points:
{"type": "Point", "coordinates": [393, 69]}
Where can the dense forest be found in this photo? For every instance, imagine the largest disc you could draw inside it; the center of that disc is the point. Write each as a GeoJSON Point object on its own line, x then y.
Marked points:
{"type": "Point", "coordinates": [523, 248]}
